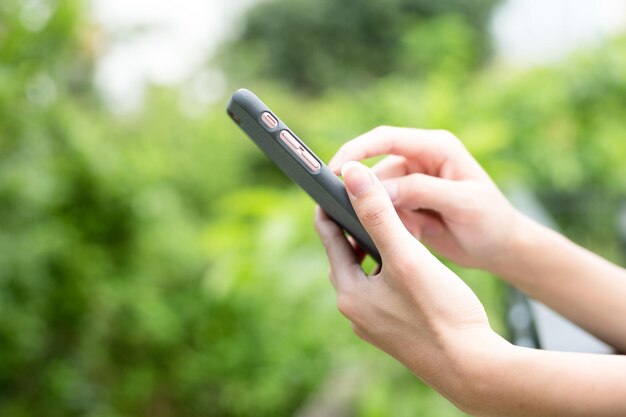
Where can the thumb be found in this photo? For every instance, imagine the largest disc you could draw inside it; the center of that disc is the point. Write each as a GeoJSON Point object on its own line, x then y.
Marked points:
{"type": "Point", "coordinates": [420, 191]}
{"type": "Point", "coordinates": [376, 211]}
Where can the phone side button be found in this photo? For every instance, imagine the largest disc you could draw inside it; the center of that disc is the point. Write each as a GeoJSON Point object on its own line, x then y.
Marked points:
{"type": "Point", "coordinates": [292, 142]}
{"type": "Point", "coordinates": [310, 160]}
{"type": "Point", "coordinates": [269, 120]}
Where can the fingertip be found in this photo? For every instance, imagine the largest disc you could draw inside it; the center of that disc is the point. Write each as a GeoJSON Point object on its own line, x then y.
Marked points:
{"type": "Point", "coordinates": [336, 161]}
{"type": "Point", "coordinates": [335, 167]}
{"type": "Point", "coordinates": [347, 165]}
{"type": "Point", "coordinates": [317, 211]}
{"type": "Point", "coordinates": [358, 178]}
{"type": "Point", "coordinates": [318, 220]}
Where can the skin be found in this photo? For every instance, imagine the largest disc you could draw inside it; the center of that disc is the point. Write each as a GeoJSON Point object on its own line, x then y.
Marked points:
{"type": "Point", "coordinates": [421, 313]}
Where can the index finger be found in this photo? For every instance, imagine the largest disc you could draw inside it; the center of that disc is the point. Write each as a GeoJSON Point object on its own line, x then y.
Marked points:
{"type": "Point", "coordinates": [429, 148]}
{"type": "Point", "coordinates": [344, 262]}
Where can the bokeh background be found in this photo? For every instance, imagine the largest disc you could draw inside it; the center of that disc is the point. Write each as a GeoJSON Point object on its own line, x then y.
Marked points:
{"type": "Point", "coordinates": [153, 262]}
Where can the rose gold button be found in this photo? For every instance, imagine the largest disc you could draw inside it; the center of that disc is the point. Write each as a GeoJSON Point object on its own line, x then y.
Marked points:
{"type": "Point", "coordinates": [268, 120]}
{"type": "Point", "coordinates": [292, 142]}
{"type": "Point", "coordinates": [310, 160]}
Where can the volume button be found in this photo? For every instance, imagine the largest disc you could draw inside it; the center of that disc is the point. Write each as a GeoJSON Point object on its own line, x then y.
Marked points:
{"type": "Point", "coordinates": [310, 160]}
{"type": "Point", "coordinates": [292, 142]}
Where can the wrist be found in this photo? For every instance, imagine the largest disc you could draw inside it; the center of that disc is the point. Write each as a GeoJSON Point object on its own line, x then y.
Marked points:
{"type": "Point", "coordinates": [513, 257]}
{"type": "Point", "coordinates": [481, 362]}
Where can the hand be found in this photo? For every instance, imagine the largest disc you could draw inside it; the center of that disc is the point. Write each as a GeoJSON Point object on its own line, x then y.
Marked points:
{"type": "Point", "coordinates": [415, 308]}
{"type": "Point", "coordinates": [421, 313]}
{"type": "Point", "coordinates": [441, 193]}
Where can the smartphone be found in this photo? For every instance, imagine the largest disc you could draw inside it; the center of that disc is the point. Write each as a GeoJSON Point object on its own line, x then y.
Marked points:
{"type": "Point", "coordinates": [299, 163]}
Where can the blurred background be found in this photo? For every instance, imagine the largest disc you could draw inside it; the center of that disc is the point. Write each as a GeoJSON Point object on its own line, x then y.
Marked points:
{"type": "Point", "coordinates": [148, 263]}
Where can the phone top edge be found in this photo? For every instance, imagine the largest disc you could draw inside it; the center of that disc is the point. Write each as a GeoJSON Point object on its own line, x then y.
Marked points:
{"type": "Point", "coordinates": [248, 101]}
{"type": "Point", "coordinates": [255, 108]}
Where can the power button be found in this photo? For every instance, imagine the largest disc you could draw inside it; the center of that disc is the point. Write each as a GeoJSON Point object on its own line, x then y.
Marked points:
{"type": "Point", "coordinates": [269, 120]}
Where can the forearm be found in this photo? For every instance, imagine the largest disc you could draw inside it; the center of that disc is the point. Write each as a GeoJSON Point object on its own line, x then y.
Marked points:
{"type": "Point", "coordinates": [582, 286]}
{"type": "Point", "coordinates": [525, 382]}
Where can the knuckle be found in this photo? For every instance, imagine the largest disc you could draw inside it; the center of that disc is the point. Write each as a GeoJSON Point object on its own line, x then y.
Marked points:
{"type": "Point", "coordinates": [385, 134]}
{"type": "Point", "coordinates": [448, 137]}
{"type": "Point", "coordinates": [414, 187]}
{"type": "Point", "coordinates": [382, 129]}
{"type": "Point", "coordinates": [327, 239]}
{"type": "Point", "coordinates": [373, 216]}
{"type": "Point", "coordinates": [346, 304]}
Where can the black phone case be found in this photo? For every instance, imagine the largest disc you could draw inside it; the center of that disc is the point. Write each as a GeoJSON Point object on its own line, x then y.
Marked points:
{"type": "Point", "coordinates": [323, 186]}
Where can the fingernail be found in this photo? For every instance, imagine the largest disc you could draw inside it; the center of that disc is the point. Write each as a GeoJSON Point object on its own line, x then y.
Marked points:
{"type": "Point", "coordinates": [392, 189]}
{"type": "Point", "coordinates": [357, 177]}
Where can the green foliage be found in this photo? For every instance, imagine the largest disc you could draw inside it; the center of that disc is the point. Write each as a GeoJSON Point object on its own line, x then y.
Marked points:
{"type": "Point", "coordinates": [314, 45]}
{"type": "Point", "coordinates": [148, 265]}
{"type": "Point", "coordinates": [122, 285]}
